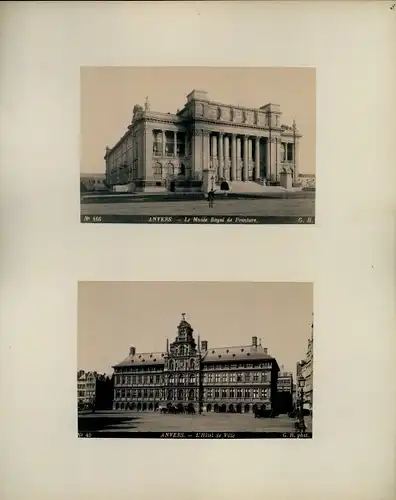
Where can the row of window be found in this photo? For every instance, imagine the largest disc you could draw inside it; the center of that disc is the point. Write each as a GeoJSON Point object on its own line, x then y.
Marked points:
{"type": "Point", "coordinates": [205, 367]}
{"type": "Point", "coordinates": [208, 378]}
{"type": "Point", "coordinates": [181, 394]}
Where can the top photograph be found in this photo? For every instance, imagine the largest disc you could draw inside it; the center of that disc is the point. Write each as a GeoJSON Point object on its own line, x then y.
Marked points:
{"type": "Point", "coordinates": [197, 145]}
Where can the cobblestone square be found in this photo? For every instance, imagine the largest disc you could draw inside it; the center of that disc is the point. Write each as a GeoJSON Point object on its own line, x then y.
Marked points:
{"type": "Point", "coordinates": [114, 421]}
{"type": "Point", "coordinates": [299, 207]}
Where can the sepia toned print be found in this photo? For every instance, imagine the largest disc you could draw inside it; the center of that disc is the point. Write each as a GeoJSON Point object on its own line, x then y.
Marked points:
{"type": "Point", "coordinates": [209, 159]}
{"type": "Point", "coordinates": [191, 386]}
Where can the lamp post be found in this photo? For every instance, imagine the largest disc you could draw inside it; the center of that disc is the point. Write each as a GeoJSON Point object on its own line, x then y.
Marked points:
{"type": "Point", "coordinates": [301, 423]}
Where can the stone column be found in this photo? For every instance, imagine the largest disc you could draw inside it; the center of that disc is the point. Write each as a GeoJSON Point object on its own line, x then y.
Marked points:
{"type": "Point", "coordinates": [278, 166]}
{"type": "Point", "coordinates": [238, 165]}
{"type": "Point", "coordinates": [233, 157]}
{"type": "Point", "coordinates": [245, 158]}
{"type": "Point", "coordinates": [214, 146]}
{"type": "Point", "coordinates": [175, 144]}
{"type": "Point", "coordinates": [163, 142]}
{"type": "Point", "coordinates": [196, 154]}
{"type": "Point", "coordinates": [226, 156]}
{"type": "Point", "coordinates": [257, 160]}
{"type": "Point", "coordinates": [221, 156]}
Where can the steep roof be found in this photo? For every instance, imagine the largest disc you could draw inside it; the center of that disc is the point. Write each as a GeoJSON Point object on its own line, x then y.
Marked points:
{"type": "Point", "coordinates": [236, 353]}
{"type": "Point", "coordinates": [143, 359]}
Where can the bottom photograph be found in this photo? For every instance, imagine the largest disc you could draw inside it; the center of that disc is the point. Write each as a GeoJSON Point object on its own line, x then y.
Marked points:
{"type": "Point", "coordinates": [195, 360]}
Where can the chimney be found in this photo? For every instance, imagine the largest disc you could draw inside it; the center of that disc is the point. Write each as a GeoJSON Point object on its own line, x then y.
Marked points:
{"type": "Point", "coordinates": [254, 341]}
{"type": "Point", "coordinates": [204, 345]}
{"type": "Point", "coordinates": [132, 351]}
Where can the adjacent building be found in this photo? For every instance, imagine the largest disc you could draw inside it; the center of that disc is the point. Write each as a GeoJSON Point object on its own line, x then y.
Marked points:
{"type": "Point", "coordinates": [94, 390]}
{"type": "Point", "coordinates": [92, 182]}
{"type": "Point", "coordinates": [285, 392]}
{"type": "Point", "coordinates": [203, 142]}
{"type": "Point", "coordinates": [305, 369]}
{"type": "Point", "coordinates": [219, 379]}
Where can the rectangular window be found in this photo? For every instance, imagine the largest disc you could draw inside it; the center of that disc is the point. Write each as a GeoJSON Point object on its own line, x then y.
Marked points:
{"type": "Point", "coordinates": [118, 394]}
{"type": "Point", "coordinates": [145, 393]}
{"type": "Point", "coordinates": [263, 393]}
{"type": "Point", "coordinates": [239, 377]}
{"type": "Point", "coordinates": [255, 393]}
{"type": "Point", "coordinates": [139, 379]}
{"type": "Point", "coordinates": [151, 394]}
{"type": "Point", "coordinates": [232, 393]}
{"type": "Point", "coordinates": [151, 379]}
{"type": "Point", "coordinates": [134, 393]}
{"type": "Point", "coordinates": [224, 393]}
{"type": "Point", "coordinates": [128, 394]}
{"type": "Point", "coordinates": [224, 377]}
{"type": "Point", "coordinates": [122, 393]}
{"type": "Point", "coordinates": [232, 377]}
{"type": "Point", "coordinates": [217, 393]}
{"type": "Point", "coordinates": [139, 393]}
{"type": "Point", "coordinates": [239, 393]}
{"type": "Point", "coordinates": [217, 378]}
{"type": "Point", "coordinates": [210, 377]}
{"type": "Point", "coordinates": [157, 379]}
{"type": "Point", "coordinates": [157, 393]}
{"type": "Point", "coordinates": [247, 377]}
{"type": "Point", "coordinates": [210, 392]}
{"type": "Point", "coordinates": [255, 377]}
{"type": "Point", "coordinates": [247, 393]}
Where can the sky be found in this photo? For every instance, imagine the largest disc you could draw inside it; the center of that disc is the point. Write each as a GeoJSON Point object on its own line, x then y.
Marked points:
{"type": "Point", "coordinates": [112, 316]}
{"type": "Point", "coordinates": [108, 95]}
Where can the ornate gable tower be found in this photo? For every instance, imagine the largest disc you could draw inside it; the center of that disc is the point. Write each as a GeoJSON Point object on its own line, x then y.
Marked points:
{"type": "Point", "coordinates": [182, 369]}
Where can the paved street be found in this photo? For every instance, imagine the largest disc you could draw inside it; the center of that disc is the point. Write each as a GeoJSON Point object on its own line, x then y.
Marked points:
{"type": "Point", "coordinates": [300, 207]}
{"type": "Point", "coordinates": [113, 421]}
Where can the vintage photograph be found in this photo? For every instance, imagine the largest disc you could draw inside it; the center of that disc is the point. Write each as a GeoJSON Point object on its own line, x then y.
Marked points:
{"type": "Point", "coordinates": [195, 360]}
{"type": "Point", "coordinates": [198, 145]}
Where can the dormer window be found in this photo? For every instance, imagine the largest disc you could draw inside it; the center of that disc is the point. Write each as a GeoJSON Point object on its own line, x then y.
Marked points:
{"type": "Point", "coordinates": [242, 350]}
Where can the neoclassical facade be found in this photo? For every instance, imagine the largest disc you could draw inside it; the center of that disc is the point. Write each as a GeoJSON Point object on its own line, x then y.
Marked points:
{"type": "Point", "coordinates": [228, 142]}
{"type": "Point", "coordinates": [222, 379]}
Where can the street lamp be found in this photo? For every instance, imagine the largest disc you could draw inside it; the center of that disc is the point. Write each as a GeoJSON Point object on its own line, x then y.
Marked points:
{"type": "Point", "coordinates": [301, 423]}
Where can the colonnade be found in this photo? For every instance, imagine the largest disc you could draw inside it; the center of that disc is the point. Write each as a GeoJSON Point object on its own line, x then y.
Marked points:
{"type": "Point", "coordinates": [231, 155]}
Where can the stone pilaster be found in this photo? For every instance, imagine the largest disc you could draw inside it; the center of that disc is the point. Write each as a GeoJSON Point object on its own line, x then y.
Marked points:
{"type": "Point", "coordinates": [175, 144]}
{"type": "Point", "coordinates": [148, 153]}
{"type": "Point", "coordinates": [163, 142]}
{"type": "Point", "coordinates": [296, 160]}
{"type": "Point", "coordinates": [196, 156]}
{"type": "Point", "coordinates": [206, 150]}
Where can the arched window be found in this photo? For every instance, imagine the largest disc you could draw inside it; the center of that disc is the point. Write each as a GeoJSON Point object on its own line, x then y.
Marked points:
{"type": "Point", "coordinates": [158, 171]}
{"type": "Point", "coordinates": [171, 365]}
{"type": "Point", "coordinates": [170, 169]}
{"type": "Point", "coordinates": [191, 394]}
{"type": "Point", "coordinates": [170, 394]}
{"type": "Point", "coordinates": [192, 364]}
{"type": "Point", "coordinates": [181, 351]}
{"type": "Point", "coordinates": [180, 394]}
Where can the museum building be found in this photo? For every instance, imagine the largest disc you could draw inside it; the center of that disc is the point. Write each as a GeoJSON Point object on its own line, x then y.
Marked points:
{"type": "Point", "coordinates": [203, 140]}
{"type": "Point", "coordinates": [234, 379]}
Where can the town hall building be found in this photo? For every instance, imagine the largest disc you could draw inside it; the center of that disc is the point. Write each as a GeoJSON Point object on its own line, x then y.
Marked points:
{"type": "Point", "coordinates": [213, 379]}
{"type": "Point", "coordinates": [203, 145]}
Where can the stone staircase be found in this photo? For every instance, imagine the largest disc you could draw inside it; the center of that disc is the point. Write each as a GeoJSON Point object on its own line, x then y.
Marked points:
{"type": "Point", "coordinates": [251, 187]}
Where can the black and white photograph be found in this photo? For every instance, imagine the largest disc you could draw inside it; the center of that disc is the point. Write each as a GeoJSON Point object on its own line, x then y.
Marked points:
{"type": "Point", "coordinates": [198, 145]}
{"type": "Point", "coordinates": [195, 360]}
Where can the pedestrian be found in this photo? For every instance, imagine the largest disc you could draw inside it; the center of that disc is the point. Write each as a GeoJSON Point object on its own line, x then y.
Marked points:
{"type": "Point", "coordinates": [211, 198]}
